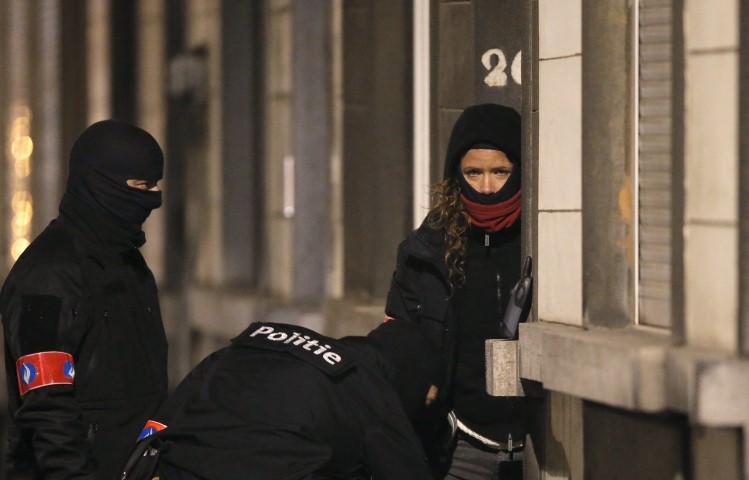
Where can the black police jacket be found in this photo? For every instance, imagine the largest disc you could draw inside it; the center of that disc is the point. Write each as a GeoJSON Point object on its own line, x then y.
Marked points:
{"type": "Point", "coordinates": [70, 293]}
{"type": "Point", "coordinates": [284, 402]}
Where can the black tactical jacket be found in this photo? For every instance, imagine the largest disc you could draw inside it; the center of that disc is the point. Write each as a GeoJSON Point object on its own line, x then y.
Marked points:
{"type": "Point", "coordinates": [273, 405]}
{"type": "Point", "coordinates": [70, 292]}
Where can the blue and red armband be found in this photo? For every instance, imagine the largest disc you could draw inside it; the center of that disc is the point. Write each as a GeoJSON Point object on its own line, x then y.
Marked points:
{"type": "Point", "coordinates": [44, 368]}
{"type": "Point", "coordinates": [152, 427]}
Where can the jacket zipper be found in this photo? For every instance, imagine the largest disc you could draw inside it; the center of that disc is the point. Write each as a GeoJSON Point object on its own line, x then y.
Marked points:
{"type": "Point", "coordinates": [499, 295]}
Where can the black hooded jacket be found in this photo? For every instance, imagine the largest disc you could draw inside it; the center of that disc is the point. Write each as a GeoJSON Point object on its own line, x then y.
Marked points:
{"type": "Point", "coordinates": [82, 291]}
{"type": "Point", "coordinates": [283, 402]}
{"type": "Point", "coordinates": [458, 318]}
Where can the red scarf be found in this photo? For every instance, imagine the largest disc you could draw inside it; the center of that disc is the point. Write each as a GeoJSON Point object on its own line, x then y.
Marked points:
{"type": "Point", "coordinates": [493, 218]}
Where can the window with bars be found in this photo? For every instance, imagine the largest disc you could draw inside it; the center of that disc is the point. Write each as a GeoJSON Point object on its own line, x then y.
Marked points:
{"type": "Point", "coordinates": [655, 157]}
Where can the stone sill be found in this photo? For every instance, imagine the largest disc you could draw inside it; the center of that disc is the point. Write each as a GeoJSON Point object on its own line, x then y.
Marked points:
{"type": "Point", "coordinates": [635, 369]}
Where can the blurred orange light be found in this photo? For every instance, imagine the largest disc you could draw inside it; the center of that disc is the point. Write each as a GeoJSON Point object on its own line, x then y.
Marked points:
{"type": "Point", "coordinates": [20, 200]}
{"type": "Point", "coordinates": [18, 247]}
{"type": "Point", "coordinates": [23, 218]}
{"type": "Point", "coordinates": [21, 147]}
{"type": "Point", "coordinates": [20, 229]}
{"type": "Point", "coordinates": [23, 167]}
{"type": "Point", "coordinates": [19, 150]}
{"type": "Point", "coordinates": [21, 125]}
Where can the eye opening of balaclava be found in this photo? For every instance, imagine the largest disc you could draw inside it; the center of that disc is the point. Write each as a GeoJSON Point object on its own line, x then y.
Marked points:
{"type": "Point", "coordinates": [416, 362]}
{"type": "Point", "coordinates": [486, 126]}
{"type": "Point", "coordinates": [103, 158]}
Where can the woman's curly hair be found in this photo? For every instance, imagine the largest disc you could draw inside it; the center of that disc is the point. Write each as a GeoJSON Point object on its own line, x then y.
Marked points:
{"type": "Point", "coordinates": [448, 213]}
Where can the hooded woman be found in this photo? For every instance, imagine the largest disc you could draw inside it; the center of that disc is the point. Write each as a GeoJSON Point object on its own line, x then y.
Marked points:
{"type": "Point", "coordinates": [454, 275]}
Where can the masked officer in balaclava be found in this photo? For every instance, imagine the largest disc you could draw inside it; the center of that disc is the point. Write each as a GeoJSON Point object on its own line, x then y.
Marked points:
{"type": "Point", "coordinates": [85, 349]}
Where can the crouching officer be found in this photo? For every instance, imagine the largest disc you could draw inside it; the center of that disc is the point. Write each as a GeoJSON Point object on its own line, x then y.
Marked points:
{"type": "Point", "coordinates": [285, 402]}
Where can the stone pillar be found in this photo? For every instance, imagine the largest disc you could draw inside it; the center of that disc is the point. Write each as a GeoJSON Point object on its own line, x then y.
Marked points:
{"type": "Point", "coordinates": [311, 143]}
{"type": "Point", "coordinates": [278, 167]}
{"type": "Point", "coordinates": [607, 170]}
{"type": "Point", "coordinates": [98, 60]}
{"type": "Point", "coordinates": [711, 212]}
{"type": "Point", "coordinates": [297, 151]}
{"type": "Point", "coordinates": [563, 446]}
{"type": "Point", "coordinates": [560, 281]}
{"type": "Point", "coordinates": [51, 158]}
{"type": "Point", "coordinates": [204, 200]}
{"type": "Point", "coordinates": [151, 114]}
{"type": "Point", "coordinates": [712, 202]}
{"type": "Point", "coordinates": [242, 103]}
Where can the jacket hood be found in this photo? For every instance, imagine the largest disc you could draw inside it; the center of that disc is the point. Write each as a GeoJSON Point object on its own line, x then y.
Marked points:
{"type": "Point", "coordinates": [487, 123]}
{"type": "Point", "coordinates": [103, 158]}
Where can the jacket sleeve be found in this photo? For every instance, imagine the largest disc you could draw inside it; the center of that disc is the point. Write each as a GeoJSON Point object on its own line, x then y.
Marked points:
{"type": "Point", "coordinates": [46, 313]}
{"type": "Point", "coordinates": [416, 294]}
{"type": "Point", "coordinates": [180, 398]}
{"type": "Point", "coordinates": [402, 301]}
{"type": "Point", "coordinates": [395, 454]}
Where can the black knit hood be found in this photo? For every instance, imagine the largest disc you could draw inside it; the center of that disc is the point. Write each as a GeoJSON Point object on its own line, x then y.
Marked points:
{"type": "Point", "coordinates": [487, 124]}
{"type": "Point", "coordinates": [103, 158]}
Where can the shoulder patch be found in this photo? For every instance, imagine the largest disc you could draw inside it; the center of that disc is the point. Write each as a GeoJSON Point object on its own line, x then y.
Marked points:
{"type": "Point", "coordinates": [39, 321]}
{"type": "Point", "coordinates": [43, 369]}
{"type": "Point", "coordinates": [318, 350]}
{"type": "Point", "coordinates": [152, 427]}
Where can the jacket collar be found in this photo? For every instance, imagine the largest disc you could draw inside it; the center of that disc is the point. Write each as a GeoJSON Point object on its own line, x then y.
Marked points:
{"type": "Point", "coordinates": [103, 240]}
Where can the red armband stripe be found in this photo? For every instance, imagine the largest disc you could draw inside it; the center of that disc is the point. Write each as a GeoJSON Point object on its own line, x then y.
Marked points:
{"type": "Point", "coordinates": [44, 368]}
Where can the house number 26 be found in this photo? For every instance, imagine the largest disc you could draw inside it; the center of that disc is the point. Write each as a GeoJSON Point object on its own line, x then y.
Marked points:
{"type": "Point", "coordinates": [497, 76]}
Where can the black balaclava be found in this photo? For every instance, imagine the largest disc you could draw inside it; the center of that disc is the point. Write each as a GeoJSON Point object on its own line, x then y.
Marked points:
{"type": "Point", "coordinates": [103, 158]}
{"type": "Point", "coordinates": [486, 126]}
{"type": "Point", "coordinates": [416, 361]}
